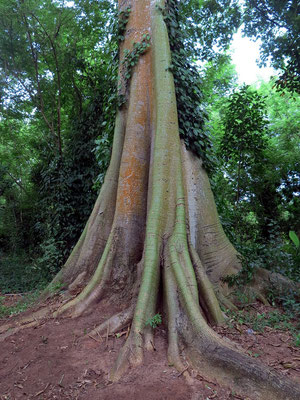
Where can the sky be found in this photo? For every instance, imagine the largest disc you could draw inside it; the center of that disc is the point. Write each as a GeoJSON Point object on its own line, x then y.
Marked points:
{"type": "Point", "coordinates": [244, 55]}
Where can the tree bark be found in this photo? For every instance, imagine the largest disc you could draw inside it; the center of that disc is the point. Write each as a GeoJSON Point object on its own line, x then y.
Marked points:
{"type": "Point", "coordinates": [155, 229]}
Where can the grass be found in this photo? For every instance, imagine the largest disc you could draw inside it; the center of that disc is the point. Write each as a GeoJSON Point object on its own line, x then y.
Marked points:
{"type": "Point", "coordinates": [19, 274]}
{"type": "Point", "coordinates": [22, 305]}
{"type": "Point", "coordinates": [275, 319]}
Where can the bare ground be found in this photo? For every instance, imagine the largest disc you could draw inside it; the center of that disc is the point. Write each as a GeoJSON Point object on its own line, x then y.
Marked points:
{"type": "Point", "coordinates": [59, 360]}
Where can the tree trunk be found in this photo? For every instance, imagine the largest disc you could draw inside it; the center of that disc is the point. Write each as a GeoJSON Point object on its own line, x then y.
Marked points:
{"type": "Point", "coordinates": [155, 229]}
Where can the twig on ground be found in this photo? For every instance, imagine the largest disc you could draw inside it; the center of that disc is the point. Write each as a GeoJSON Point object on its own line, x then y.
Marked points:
{"type": "Point", "coordinates": [94, 338]}
{"type": "Point", "coordinates": [107, 334]}
{"type": "Point", "coordinates": [42, 391]}
{"type": "Point", "coordinates": [183, 371]}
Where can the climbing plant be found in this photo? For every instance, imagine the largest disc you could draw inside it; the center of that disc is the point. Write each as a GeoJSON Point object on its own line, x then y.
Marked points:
{"type": "Point", "coordinates": [191, 114]}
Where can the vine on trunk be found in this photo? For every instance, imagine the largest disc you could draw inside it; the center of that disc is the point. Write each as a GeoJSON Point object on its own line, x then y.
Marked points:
{"type": "Point", "coordinates": [191, 114]}
{"type": "Point", "coordinates": [129, 61]}
{"type": "Point", "coordinates": [122, 22]}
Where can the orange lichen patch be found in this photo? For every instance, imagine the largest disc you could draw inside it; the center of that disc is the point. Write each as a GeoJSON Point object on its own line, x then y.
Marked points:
{"type": "Point", "coordinates": [133, 177]}
{"type": "Point", "coordinates": [139, 20]}
{"type": "Point", "coordinates": [131, 199]}
{"type": "Point", "coordinates": [134, 170]}
{"type": "Point", "coordinates": [138, 24]}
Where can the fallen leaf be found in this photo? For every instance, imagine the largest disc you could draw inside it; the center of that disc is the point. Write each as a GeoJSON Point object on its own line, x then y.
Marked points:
{"type": "Point", "coordinates": [288, 365]}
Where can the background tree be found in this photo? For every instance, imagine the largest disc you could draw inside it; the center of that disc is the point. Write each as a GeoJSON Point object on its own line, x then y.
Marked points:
{"type": "Point", "coordinates": [268, 203]}
{"type": "Point", "coordinates": [244, 139]}
{"type": "Point", "coordinates": [276, 24]}
{"type": "Point", "coordinates": [52, 67]}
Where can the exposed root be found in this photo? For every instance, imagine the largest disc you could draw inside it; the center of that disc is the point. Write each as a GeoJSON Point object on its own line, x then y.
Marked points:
{"type": "Point", "coordinates": [265, 281]}
{"type": "Point", "coordinates": [95, 287]}
{"type": "Point", "coordinates": [115, 323]}
{"type": "Point", "coordinates": [225, 302]}
{"type": "Point", "coordinates": [12, 331]}
{"type": "Point", "coordinates": [149, 339]}
{"type": "Point", "coordinates": [76, 286]}
{"type": "Point", "coordinates": [30, 321]}
{"type": "Point", "coordinates": [239, 371]}
{"type": "Point", "coordinates": [167, 223]}
{"type": "Point", "coordinates": [208, 352]}
{"type": "Point", "coordinates": [259, 288]}
{"type": "Point", "coordinates": [131, 354]}
{"type": "Point", "coordinates": [172, 307]}
{"type": "Point", "coordinates": [261, 298]}
{"type": "Point", "coordinates": [208, 299]}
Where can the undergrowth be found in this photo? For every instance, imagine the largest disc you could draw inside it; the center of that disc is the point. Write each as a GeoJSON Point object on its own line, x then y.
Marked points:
{"type": "Point", "coordinates": [154, 321]}
{"type": "Point", "coordinates": [26, 300]}
{"type": "Point", "coordinates": [22, 305]}
{"type": "Point", "coordinates": [287, 319]}
{"type": "Point", "coordinates": [18, 274]}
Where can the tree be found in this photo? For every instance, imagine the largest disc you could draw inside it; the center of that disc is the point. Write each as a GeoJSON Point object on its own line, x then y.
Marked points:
{"type": "Point", "coordinates": [276, 23]}
{"type": "Point", "coordinates": [267, 182]}
{"type": "Point", "coordinates": [51, 111]}
{"type": "Point", "coordinates": [243, 140]}
{"type": "Point", "coordinates": [277, 184]}
{"type": "Point", "coordinates": [154, 228]}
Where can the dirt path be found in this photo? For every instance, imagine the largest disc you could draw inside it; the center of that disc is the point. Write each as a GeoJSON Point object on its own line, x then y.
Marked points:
{"type": "Point", "coordinates": [58, 360]}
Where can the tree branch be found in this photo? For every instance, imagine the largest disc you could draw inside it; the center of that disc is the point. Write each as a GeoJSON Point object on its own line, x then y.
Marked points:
{"type": "Point", "coordinates": [58, 109]}
{"type": "Point", "coordinates": [17, 182]}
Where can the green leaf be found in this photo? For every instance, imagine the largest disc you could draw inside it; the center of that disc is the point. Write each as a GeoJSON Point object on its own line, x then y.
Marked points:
{"type": "Point", "coordinates": [294, 238]}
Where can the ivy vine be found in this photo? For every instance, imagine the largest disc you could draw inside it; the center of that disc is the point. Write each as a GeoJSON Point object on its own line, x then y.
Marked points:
{"type": "Point", "coordinates": [123, 18]}
{"type": "Point", "coordinates": [191, 114]}
{"type": "Point", "coordinates": [129, 61]}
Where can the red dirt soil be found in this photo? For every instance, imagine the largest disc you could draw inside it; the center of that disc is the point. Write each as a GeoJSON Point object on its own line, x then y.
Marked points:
{"type": "Point", "coordinates": [59, 360]}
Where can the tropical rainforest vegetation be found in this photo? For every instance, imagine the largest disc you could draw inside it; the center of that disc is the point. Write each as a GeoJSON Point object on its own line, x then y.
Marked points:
{"type": "Point", "coordinates": [60, 98]}
{"type": "Point", "coordinates": [58, 101]}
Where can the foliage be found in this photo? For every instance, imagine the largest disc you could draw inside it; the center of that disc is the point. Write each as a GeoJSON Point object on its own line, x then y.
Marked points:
{"type": "Point", "coordinates": [191, 115]}
{"type": "Point", "coordinates": [268, 206]}
{"type": "Point", "coordinates": [111, 100]}
{"type": "Point", "coordinates": [123, 18]}
{"type": "Point", "coordinates": [154, 321]}
{"type": "Point", "coordinates": [209, 26]}
{"type": "Point", "coordinates": [52, 110]}
{"type": "Point", "coordinates": [276, 255]}
{"type": "Point", "coordinates": [259, 321]}
{"type": "Point", "coordinates": [27, 275]}
{"type": "Point", "coordinates": [129, 61]}
{"type": "Point", "coordinates": [244, 126]}
{"type": "Point", "coordinates": [243, 140]}
{"type": "Point", "coordinates": [66, 195]}
{"type": "Point", "coordinates": [288, 318]}
{"type": "Point", "coordinates": [22, 305]}
{"type": "Point", "coordinates": [276, 23]}
{"type": "Point", "coordinates": [294, 238]}
{"type": "Point", "coordinates": [59, 96]}
{"type": "Point", "coordinates": [219, 80]}
{"type": "Point", "coordinates": [288, 301]}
